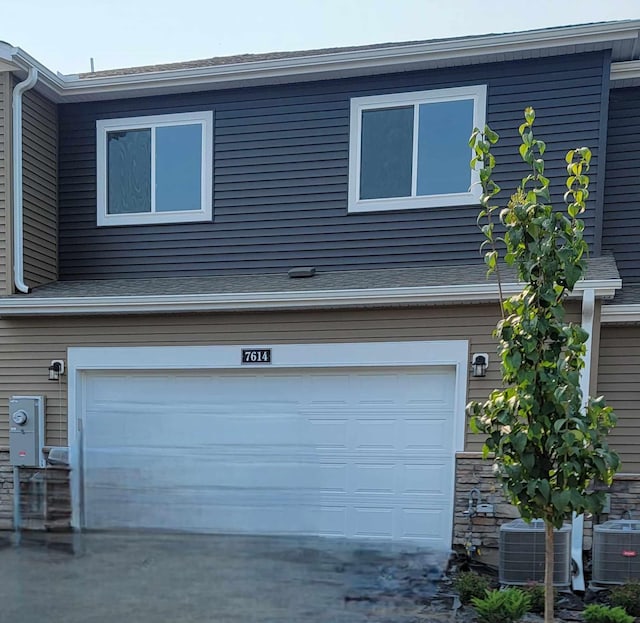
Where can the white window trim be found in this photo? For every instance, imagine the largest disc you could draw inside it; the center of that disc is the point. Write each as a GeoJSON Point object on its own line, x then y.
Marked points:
{"type": "Point", "coordinates": [478, 93]}
{"type": "Point", "coordinates": [103, 126]}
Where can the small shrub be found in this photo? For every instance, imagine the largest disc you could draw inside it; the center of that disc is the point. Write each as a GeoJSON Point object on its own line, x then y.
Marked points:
{"type": "Point", "coordinates": [469, 585]}
{"type": "Point", "coordinates": [627, 596]}
{"type": "Point", "coordinates": [536, 595]}
{"type": "Point", "coordinates": [595, 613]}
{"type": "Point", "coordinates": [504, 606]}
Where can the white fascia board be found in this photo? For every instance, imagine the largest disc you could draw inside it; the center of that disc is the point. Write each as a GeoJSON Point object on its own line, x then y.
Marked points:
{"type": "Point", "coordinates": [612, 314]}
{"type": "Point", "coordinates": [264, 301]}
{"type": "Point", "coordinates": [629, 70]}
{"type": "Point", "coordinates": [6, 65]}
{"type": "Point", "coordinates": [68, 88]}
{"type": "Point", "coordinates": [7, 53]}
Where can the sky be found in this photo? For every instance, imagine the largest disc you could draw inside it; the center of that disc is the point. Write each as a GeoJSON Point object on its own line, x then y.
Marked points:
{"type": "Point", "coordinates": [65, 34]}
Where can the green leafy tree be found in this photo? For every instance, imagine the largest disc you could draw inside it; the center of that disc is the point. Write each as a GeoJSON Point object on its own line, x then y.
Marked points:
{"type": "Point", "coordinates": [547, 446]}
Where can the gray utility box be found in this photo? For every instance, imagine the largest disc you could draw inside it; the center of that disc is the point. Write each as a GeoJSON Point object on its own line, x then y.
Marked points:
{"type": "Point", "coordinates": [26, 431]}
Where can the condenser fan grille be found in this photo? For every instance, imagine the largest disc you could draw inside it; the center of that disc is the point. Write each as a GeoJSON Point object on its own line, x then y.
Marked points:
{"type": "Point", "coordinates": [616, 552]}
{"type": "Point", "coordinates": [522, 553]}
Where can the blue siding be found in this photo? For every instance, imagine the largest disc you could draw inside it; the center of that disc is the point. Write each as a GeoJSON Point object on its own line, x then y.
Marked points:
{"type": "Point", "coordinates": [621, 227]}
{"type": "Point", "coordinates": [280, 175]}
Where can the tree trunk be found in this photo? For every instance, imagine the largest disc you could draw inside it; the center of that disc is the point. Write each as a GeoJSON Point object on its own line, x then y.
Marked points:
{"type": "Point", "coordinates": [548, 573]}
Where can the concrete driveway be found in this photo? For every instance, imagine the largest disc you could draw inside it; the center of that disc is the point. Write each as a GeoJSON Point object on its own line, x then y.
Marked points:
{"type": "Point", "coordinates": [161, 578]}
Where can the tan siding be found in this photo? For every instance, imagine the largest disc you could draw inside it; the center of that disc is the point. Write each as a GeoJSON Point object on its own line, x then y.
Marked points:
{"type": "Point", "coordinates": [40, 154]}
{"type": "Point", "coordinates": [5, 182]}
{"type": "Point", "coordinates": [619, 382]}
{"type": "Point", "coordinates": [28, 345]}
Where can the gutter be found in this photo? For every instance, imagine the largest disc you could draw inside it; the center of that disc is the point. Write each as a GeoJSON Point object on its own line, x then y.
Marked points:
{"type": "Point", "coordinates": [18, 217]}
{"type": "Point", "coordinates": [264, 301]}
{"type": "Point", "coordinates": [374, 59]}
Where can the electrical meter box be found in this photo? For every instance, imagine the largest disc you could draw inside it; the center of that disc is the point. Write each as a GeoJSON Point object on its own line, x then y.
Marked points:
{"type": "Point", "coordinates": [26, 431]}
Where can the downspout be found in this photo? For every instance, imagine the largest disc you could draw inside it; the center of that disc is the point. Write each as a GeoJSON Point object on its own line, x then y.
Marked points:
{"type": "Point", "coordinates": [588, 315]}
{"type": "Point", "coordinates": [577, 528]}
{"type": "Point", "coordinates": [18, 219]}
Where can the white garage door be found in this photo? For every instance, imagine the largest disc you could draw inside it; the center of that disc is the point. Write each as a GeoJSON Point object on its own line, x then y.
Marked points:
{"type": "Point", "coordinates": [348, 452]}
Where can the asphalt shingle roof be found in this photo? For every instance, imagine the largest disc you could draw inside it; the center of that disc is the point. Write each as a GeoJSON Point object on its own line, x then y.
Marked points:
{"type": "Point", "coordinates": [218, 61]}
{"type": "Point", "coordinates": [600, 268]}
{"type": "Point", "coordinates": [629, 295]}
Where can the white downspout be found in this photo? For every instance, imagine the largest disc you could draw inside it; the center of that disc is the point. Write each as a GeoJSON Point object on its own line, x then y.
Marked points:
{"type": "Point", "coordinates": [18, 220]}
{"type": "Point", "coordinates": [588, 314]}
{"type": "Point", "coordinates": [577, 531]}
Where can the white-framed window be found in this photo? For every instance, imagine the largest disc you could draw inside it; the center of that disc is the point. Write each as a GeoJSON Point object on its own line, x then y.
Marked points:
{"type": "Point", "coordinates": [155, 169]}
{"type": "Point", "coordinates": [411, 150]}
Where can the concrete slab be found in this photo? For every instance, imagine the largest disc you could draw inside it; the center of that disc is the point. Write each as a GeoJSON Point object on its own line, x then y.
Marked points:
{"type": "Point", "coordinates": [171, 578]}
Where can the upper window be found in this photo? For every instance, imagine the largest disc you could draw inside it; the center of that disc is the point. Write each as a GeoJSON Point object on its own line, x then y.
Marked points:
{"type": "Point", "coordinates": [155, 169]}
{"type": "Point", "coordinates": [411, 150]}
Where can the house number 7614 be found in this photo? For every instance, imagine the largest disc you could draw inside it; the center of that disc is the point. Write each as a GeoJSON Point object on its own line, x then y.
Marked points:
{"type": "Point", "coordinates": [256, 355]}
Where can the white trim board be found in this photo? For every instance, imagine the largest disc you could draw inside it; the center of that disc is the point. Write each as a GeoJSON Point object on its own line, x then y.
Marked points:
{"type": "Point", "coordinates": [84, 360]}
{"type": "Point", "coordinates": [625, 74]}
{"type": "Point", "coordinates": [612, 314]}
{"type": "Point", "coordinates": [263, 301]}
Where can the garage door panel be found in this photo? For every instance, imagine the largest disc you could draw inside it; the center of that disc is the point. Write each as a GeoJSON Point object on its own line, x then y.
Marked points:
{"type": "Point", "coordinates": [441, 385]}
{"type": "Point", "coordinates": [275, 519]}
{"type": "Point", "coordinates": [372, 521]}
{"type": "Point", "coordinates": [374, 478]}
{"type": "Point", "coordinates": [118, 388]}
{"type": "Point", "coordinates": [424, 524]}
{"type": "Point", "coordinates": [425, 434]}
{"type": "Point", "coordinates": [360, 520]}
{"type": "Point", "coordinates": [357, 453]}
{"type": "Point", "coordinates": [374, 434]}
{"type": "Point", "coordinates": [126, 424]}
{"type": "Point", "coordinates": [144, 470]}
{"type": "Point", "coordinates": [329, 433]}
{"type": "Point", "coordinates": [377, 521]}
{"type": "Point", "coordinates": [426, 479]}
{"type": "Point", "coordinates": [174, 428]}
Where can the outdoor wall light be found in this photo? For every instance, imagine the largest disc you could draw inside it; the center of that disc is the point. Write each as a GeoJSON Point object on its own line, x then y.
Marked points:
{"type": "Point", "coordinates": [56, 369]}
{"type": "Point", "coordinates": [479, 364]}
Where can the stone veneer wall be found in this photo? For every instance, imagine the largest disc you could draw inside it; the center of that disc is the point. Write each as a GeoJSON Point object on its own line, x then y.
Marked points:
{"type": "Point", "coordinates": [625, 497]}
{"type": "Point", "coordinates": [478, 534]}
{"type": "Point", "coordinates": [45, 497]}
{"type": "Point", "coordinates": [6, 491]}
{"type": "Point", "coordinates": [481, 533]}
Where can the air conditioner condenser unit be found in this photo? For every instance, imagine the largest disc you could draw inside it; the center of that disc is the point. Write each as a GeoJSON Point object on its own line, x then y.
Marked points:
{"type": "Point", "coordinates": [522, 553]}
{"type": "Point", "coordinates": [616, 552]}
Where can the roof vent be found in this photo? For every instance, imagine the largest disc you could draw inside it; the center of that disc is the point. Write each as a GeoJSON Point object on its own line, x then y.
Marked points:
{"type": "Point", "coordinates": [301, 272]}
